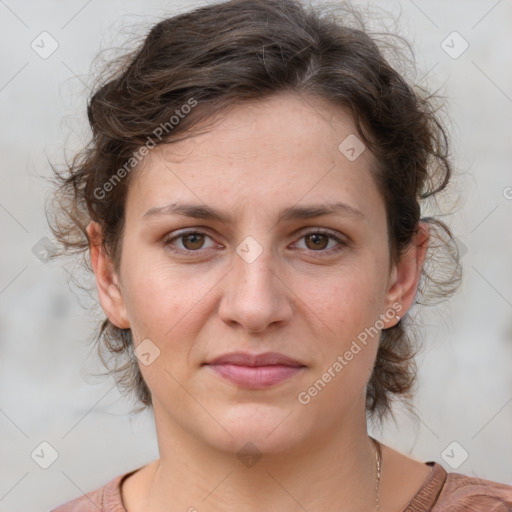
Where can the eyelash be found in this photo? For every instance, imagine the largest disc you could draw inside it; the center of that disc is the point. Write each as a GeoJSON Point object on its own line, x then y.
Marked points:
{"type": "Point", "coordinates": [167, 242]}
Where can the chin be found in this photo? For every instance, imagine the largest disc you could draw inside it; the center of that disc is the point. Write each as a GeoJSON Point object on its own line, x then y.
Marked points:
{"type": "Point", "coordinates": [263, 428]}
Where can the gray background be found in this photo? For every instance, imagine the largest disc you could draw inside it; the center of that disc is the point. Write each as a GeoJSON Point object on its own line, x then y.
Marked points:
{"type": "Point", "coordinates": [47, 392]}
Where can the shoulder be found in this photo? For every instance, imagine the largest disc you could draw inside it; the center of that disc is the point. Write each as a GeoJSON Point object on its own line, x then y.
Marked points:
{"type": "Point", "coordinates": [103, 499]}
{"type": "Point", "coordinates": [463, 493]}
{"type": "Point", "coordinates": [92, 501]}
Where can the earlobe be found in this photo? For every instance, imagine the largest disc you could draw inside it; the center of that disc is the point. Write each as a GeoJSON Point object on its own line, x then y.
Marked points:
{"type": "Point", "coordinates": [107, 281]}
{"type": "Point", "coordinates": [406, 273]}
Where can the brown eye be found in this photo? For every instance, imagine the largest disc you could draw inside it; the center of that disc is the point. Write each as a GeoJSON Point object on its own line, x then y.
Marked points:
{"type": "Point", "coordinates": [322, 243]}
{"type": "Point", "coordinates": [188, 242]}
{"type": "Point", "coordinates": [193, 241]}
{"type": "Point", "coordinates": [318, 241]}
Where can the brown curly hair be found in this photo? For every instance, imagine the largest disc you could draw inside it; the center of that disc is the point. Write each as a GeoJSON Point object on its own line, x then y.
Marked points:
{"type": "Point", "coordinates": [227, 53]}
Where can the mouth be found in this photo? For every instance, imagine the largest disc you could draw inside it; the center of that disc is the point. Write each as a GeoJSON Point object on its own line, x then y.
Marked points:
{"type": "Point", "coordinates": [255, 371]}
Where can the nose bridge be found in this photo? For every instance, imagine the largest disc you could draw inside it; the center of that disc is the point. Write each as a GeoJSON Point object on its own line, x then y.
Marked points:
{"type": "Point", "coordinates": [253, 266]}
{"type": "Point", "coordinates": [254, 295]}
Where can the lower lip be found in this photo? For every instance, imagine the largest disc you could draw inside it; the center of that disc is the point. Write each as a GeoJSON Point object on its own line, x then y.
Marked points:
{"type": "Point", "coordinates": [256, 377]}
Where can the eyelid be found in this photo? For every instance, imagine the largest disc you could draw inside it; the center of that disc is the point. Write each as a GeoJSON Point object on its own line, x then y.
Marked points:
{"type": "Point", "coordinates": [184, 232]}
{"type": "Point", "coordinates": [325, 231]}
{"type": "Point", "coordinates": [334, 235]}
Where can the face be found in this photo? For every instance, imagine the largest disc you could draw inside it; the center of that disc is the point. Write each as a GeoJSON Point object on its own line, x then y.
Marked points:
{"type": "Point", "coordinates": [277, 272]}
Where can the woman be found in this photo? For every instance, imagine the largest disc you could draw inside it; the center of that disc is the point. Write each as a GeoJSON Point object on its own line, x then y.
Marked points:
{"type": "Point", "coordinates": [251, 202]}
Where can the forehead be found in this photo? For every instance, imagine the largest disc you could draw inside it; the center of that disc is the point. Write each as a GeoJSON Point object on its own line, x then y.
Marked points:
{"type": "Point", "coordinates": [297, 123]}
{"type": "Point", "coordinates": [283, 148]}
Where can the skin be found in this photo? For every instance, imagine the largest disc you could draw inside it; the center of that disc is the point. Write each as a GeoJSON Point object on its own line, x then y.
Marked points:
{"type": "Point", "coordinates": [295, 298]}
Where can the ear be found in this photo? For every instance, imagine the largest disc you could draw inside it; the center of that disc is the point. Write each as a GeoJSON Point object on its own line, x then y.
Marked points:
{"type": "Point", "coordinates": [107, 281]}
{"type": "Point", "coordinates": [405, 275]}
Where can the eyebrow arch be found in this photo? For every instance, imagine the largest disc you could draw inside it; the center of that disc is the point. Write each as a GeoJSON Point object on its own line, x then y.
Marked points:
{"type": "Point", "coordinates": [293, 212]}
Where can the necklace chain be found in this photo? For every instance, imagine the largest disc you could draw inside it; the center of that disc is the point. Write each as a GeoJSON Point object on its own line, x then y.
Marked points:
{"type": "Point", "coordinates": [379, 464]}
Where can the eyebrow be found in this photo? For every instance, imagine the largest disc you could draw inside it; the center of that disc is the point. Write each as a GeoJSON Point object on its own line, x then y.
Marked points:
{"type": "Point", "coordinates": [199, 211]}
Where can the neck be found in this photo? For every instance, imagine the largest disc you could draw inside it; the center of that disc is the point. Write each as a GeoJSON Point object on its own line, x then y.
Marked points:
{"type": "Point", "coordinates": [337, 466]}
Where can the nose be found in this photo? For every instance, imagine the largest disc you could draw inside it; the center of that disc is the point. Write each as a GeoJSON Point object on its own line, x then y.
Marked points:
{"type": "Point", "coordinates": [255, 295]}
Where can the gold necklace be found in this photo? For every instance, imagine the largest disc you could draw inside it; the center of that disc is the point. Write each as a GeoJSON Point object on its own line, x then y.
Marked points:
{"type": "Point", "coordinates": [378, 457]}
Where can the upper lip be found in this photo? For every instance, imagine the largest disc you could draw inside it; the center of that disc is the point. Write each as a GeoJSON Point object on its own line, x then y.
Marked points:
{"type": "Point", "coordinates": [246, 359]}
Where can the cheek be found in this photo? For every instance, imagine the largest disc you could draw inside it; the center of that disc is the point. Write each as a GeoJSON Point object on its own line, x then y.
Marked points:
{"type": "Point", "coordinates": [165, 302]}
{"type": "Point", "coordinates": [349, 304]}
{"type": "Point", "coordinates": [350, 299]}
{"type": "Point", "coordinates": [167, 310]}
{"type": "Point", "coordinates": [349, 307]}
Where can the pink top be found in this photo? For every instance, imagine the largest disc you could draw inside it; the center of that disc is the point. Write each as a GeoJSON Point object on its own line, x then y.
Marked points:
{"type": "Point", "coordinates": [441, 492]}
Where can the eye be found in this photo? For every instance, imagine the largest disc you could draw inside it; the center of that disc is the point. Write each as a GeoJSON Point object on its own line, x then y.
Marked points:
{"type": "Point", "coordinates": [190, 241]}
{"type": "Point", "coordinates": [318, 241]}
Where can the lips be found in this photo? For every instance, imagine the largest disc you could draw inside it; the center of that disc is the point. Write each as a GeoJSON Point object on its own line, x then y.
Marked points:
{"type": "Point", "coordinates": [255, 371]}
{"type": "Point", "coordinates": [265, 359]}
